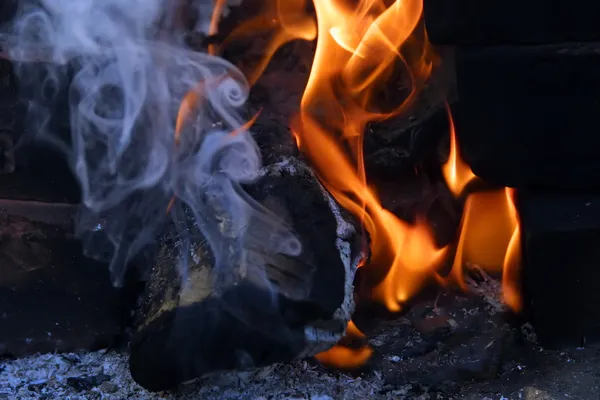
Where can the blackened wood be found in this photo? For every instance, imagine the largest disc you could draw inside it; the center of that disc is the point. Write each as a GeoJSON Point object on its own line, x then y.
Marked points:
{"type": "Point", "coordinates": [52, 298]}
{"type": "Point", "coordinates": [561, 254]}
{"type": "Point", "coordinates": [528, 116]}
{"type": "Point", "coordinates": [474, 22]}
{"type": "Point", "coordinates": [207, 326]}
{"type": "Point", "coordinates": [39, 173]}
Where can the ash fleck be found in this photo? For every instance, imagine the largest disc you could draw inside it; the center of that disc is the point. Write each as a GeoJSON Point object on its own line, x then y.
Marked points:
{"type": "Point", "coordinates": [287, 165]}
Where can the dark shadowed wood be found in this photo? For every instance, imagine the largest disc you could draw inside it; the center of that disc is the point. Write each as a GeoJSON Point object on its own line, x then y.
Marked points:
{"type": "Point", "coordinates": [52, 298]}
{"type": "Point", "coordinates": [210, 324]}
{"type": "Point", "coordinates": [561, 279]}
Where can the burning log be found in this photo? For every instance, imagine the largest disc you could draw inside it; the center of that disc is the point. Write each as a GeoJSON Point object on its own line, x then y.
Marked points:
{"type": "Point", "coordinates": [294, 307]}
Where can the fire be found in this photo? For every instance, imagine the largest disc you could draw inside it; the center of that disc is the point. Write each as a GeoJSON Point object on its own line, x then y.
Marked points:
{"type": "Point", "coordinates": [346, 356]}
{"type": "Point", "coordinates": [489, 231]}
{"type": "Point", "coordinates": [214, 23]}
{"type": "Point", "coordinates": [357, 51]}
{"type": "Point", "coordinates": [457, 174]}
{"type": "Point", "coordinates": [487, 228]}
{"type": "Point", "coordinates": [282, 21]}
{"type": "Point", "coordinates": [361, 49]}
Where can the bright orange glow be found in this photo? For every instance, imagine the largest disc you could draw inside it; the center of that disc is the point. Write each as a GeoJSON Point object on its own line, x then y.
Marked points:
{"type": "Point", "coordinates": [357, 51]}
{"type": "Point", "coordinates": [353, 331]}
{"type": "Point", "coordinates": [342, 356]}
{"type": "Point", "coordinates": [190, 102]}
{"type": "Point", "coordinates": [487, 228]}
{"type": "Point", "coordinates": [345, 357]}
{"type": "Point", "coordinates": [512, 262]}
{"type": "Point", "coordinates": [489, 231]}
{"type": "Point", "coordinates": [246, 126]}
{"type": "Point", "coordinates": [185, 109]}
{"type": "Point", "coordinates": [214, 23]}
{"type": "Point", "coordinates": [282, 21]}
{"type": "Point", "coordinates": [456, 172]}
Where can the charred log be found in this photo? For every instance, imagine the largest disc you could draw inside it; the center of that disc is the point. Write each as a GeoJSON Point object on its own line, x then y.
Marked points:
{"type": "Point", "coordinates": [298, 307]}
{"type": "Point", "coordinates": [53, 298]}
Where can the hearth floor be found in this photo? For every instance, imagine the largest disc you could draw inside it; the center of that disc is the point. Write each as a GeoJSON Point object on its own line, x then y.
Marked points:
{"type": "Point", "coordinates": [571, 374]}
{"type": "Point", "coordinates": [446, 346]}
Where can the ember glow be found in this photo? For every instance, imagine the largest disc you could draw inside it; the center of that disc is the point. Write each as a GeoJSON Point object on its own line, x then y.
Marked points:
{"type": "Point", "coordinates": [361, 48]}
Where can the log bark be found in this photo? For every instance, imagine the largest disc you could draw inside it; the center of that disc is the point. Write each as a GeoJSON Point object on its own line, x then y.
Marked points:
{"type": "Point", "coordinates": [204, 325]}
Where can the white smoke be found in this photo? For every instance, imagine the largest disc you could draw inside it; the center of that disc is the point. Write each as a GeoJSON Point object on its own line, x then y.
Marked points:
{"type": "Point", "coordinates": [126, 71]}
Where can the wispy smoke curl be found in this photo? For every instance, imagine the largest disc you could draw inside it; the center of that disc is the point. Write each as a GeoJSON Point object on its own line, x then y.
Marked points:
{"type": "Point", "coordinates": [126, 79]}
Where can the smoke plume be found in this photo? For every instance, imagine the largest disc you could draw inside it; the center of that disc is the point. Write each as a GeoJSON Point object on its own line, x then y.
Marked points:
{"type": "Point", "coordinates": [124, 70]}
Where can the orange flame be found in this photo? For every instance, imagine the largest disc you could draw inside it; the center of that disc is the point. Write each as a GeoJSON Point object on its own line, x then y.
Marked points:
{"type": "Point", "coordinates": [511, 267]}
{"type": "Point", "coordinates": [457, 174]}
{"type": "Point", "coordinates": [282, 21]}
{"type": "Point", "coordinates": [488, 226]}
{"type": "Point", "coordinates": [190, 102]}
{"type": "Point", "coordinates": [357, 50]}
{"type": "Point", "coordinates": [214, 23]}
{"type": "Point", "coordinates": [489, 231]}
{"type": "Point", "coordinates": [345, 356]}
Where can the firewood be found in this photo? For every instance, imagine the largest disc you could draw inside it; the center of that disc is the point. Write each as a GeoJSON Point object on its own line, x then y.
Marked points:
{"type": "Point", "coordinates": [296, 308]}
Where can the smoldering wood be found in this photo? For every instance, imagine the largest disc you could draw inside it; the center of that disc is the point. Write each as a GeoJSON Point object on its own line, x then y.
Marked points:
{"type": "Point", "coordinates": [188, 330]}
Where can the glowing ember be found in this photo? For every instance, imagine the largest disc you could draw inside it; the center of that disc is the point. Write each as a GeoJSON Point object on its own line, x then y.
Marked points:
{"type": "Point", "coordinates": [345, 356]}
